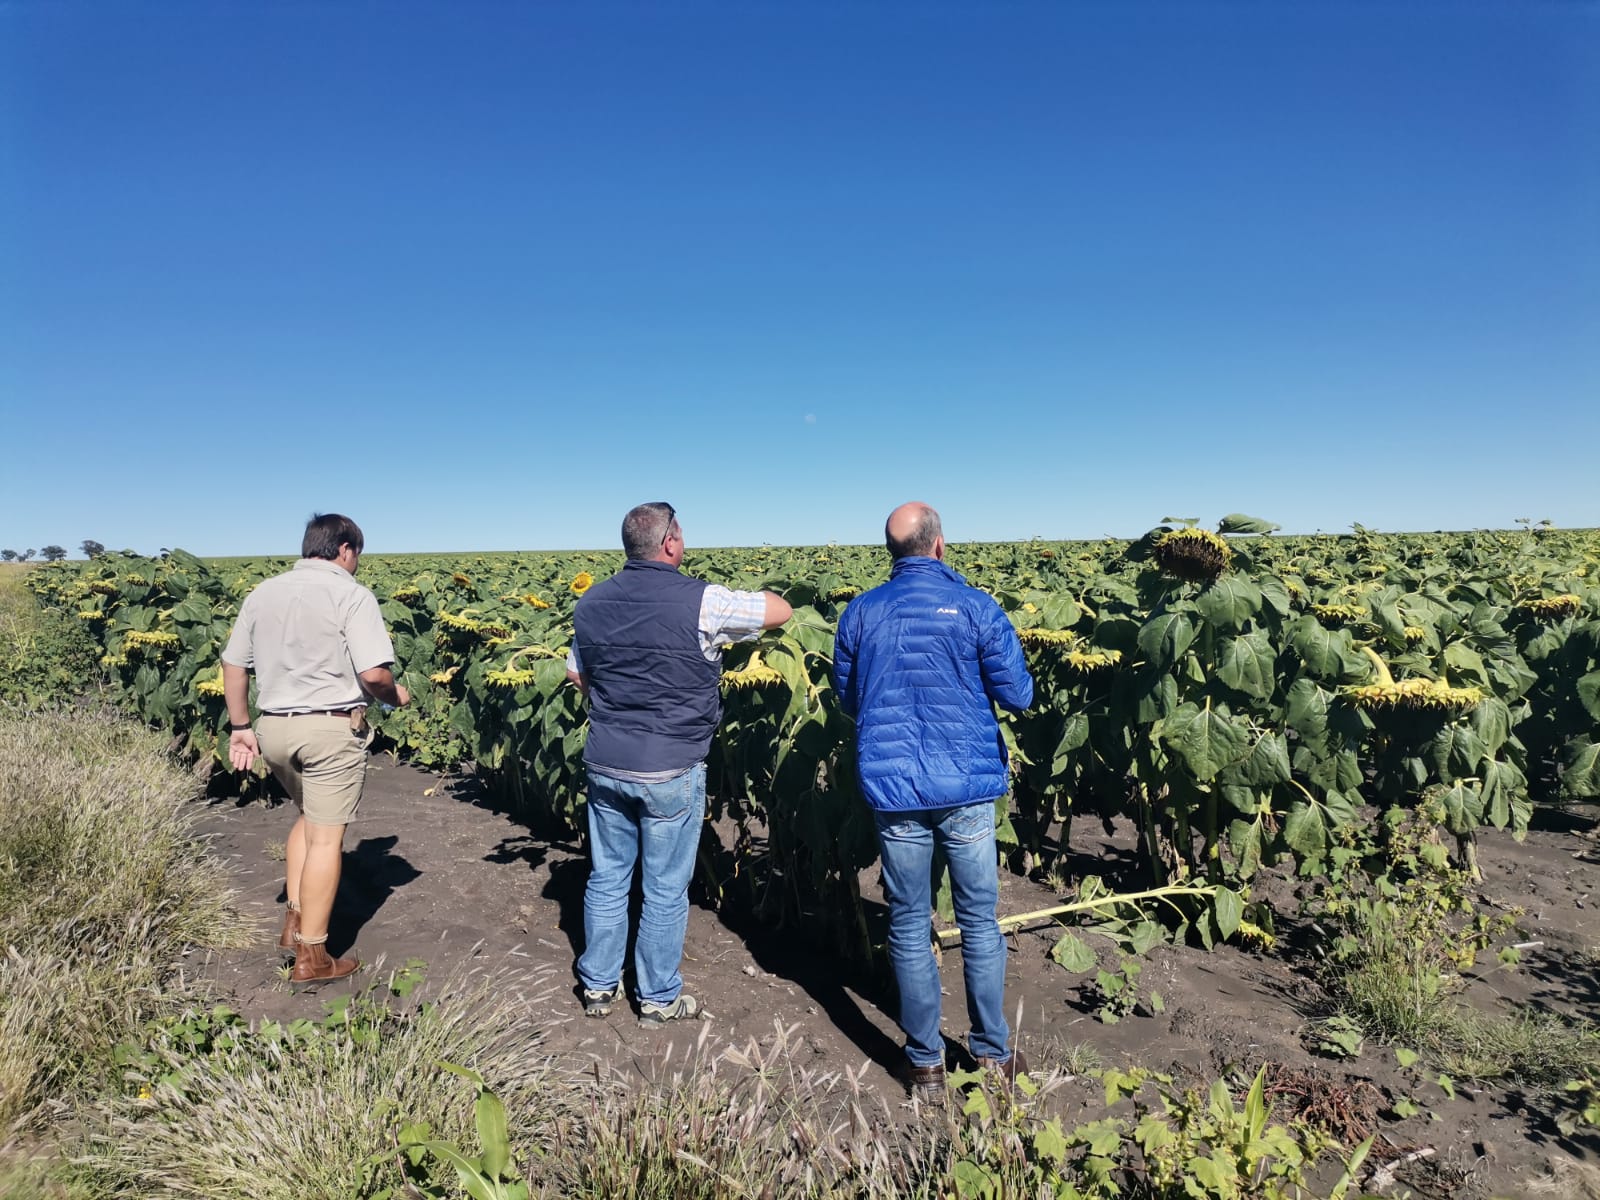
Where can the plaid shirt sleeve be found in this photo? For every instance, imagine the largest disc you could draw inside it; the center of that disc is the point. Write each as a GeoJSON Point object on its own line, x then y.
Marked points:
{"type": "Point", "coordinates": [727, 616]}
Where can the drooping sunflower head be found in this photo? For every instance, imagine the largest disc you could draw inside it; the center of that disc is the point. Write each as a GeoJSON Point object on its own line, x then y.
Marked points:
{"type": "Point", "coordinates": [1092, 660]}
{"type": "Point", "coordinates": [1415, 695]}
{"type": "Point", "coordinates": [444, 677]}
{"type": "Point", "coordinates": [211, 686]}
{"type": "Point", "coordinates": [581, 583]}
{"type": "Point", "coordinates": [841, 595]}
{"type": "Point", "coordinates": [510, 678]}
{"type": "Point", "coordinates": [1415, 634]}
{"type": "Point", "coordinates": [408, 594]}
{"type": "Point", "coordinates": [1339, 614]}
{"type": "Point", "coordinates": [754, 675]}
{"type": "Point", "coordinates": [1041, 639]}
{"type": "Point", "coordinates": [535, 601]}
{"type": "Point", "coordinates": [1197, 555]}
{"type": "Point", "coordinates": [157, 640]}
{"type": "Point", "coordinates": [1552, 608]}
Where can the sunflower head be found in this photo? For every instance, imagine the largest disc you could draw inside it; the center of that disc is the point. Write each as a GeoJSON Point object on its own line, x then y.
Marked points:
{"type": "Point", "coordinates": [1091, 660]}
{"type": "Point", "coordinates": [513, 677]}
{"type": "Point", "coordinates": [1197, 555]}
{"type": "Point", "coordinates": [211, 686]}
{"type": "Point", "coordinates": [841, 595]}
{"type": "Point", "coordinates": [753, 676]}
{"type": "Point", "coordinates": [157, 640]}
{"type": "Point", "coordinates": [1552, 608]}
{"type": "Point", "coordinates": [1415, 634]}
{"type": "Point", "coordinates": [535, 601]}
{"type": "Point", "coordinates": [581, 583]}
{"type": "Point", "coordinates": [1040, 639]}
{"type": "Point", "coordinates": [1339, 614]}
{"type": "Point", "coordinates": [1413, 695]}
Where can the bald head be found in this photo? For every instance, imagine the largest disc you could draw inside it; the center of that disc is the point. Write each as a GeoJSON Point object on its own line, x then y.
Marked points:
{"type": "Point", "coordinates": [913, 531]}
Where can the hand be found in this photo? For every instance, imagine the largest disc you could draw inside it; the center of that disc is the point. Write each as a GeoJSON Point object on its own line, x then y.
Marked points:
{"type": "Point", "coordinates": [405, 696]}
{"type": "Point", "coordinates": [243, 749]}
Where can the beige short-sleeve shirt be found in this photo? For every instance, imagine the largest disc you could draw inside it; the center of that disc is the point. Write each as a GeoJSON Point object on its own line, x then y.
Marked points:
{"type": "Point", "coordinates": [308, 634]}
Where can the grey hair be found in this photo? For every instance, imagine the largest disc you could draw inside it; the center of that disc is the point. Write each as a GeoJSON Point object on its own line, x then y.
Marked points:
{"type": "Point", "coordinates": [919, 541]}
{"type": "Point", "coordinates": [645, 528]}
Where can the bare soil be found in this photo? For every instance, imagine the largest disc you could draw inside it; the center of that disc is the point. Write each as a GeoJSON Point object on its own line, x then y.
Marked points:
{"type": "Point", "coordinates": [433, 873]}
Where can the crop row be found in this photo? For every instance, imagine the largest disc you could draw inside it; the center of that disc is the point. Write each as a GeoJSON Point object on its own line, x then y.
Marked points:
{"type": "Point", "coordinates": [1240, 697]}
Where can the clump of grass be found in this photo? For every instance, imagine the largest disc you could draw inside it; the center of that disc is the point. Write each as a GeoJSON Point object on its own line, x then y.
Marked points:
{"type": "Point", "coordinates": [103, 887]}
{"type": "Point", "coordinates": [315, 1109]}
{"type": "Point", "coordinates": [737, 1123]}
{"type": "Point", "coordinates": [1404, 936]}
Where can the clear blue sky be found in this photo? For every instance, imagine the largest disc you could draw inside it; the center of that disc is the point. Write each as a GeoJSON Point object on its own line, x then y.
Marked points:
{"type": "Point", "coordinates": [483, 275]}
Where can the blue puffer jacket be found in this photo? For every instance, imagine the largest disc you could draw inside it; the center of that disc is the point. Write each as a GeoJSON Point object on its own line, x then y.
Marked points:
{"type": "Point", "coordinates": [917, 661]}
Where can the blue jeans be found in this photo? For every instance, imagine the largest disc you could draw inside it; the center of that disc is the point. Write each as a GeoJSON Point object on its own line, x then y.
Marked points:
{"type": "Point", "coordinates": [660, 824]}
{"type": "Point", "coordinates": [966, 835]}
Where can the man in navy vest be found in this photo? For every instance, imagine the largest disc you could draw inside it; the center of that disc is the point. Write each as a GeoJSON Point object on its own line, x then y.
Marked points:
{"type": "Point", "coordinates": [647, 654]}
{"type": "Point", "coordinates": [920, 662]}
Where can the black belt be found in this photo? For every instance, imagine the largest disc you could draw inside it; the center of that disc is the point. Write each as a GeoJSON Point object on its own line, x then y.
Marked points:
{"type": "Point", "coordinates": [319, 712]}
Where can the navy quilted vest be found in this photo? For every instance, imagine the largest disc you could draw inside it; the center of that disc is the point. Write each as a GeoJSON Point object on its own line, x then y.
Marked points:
{"type": "Point", "coordinates": [653, 698]}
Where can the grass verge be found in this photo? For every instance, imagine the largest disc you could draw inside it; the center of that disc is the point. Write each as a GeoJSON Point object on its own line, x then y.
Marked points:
{"type": "Point", "coordinates": [103, 887]}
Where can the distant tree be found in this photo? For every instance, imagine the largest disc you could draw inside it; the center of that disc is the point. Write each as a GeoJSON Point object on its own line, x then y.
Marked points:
{"type": "Point", "coordinates": [26, 555]}
{"type": "Point", "coordinates": [91, 548]}
{"type": "Point", "coordinates": [53, 553]}
{"type": "Point", "coordinates": [8, 556]}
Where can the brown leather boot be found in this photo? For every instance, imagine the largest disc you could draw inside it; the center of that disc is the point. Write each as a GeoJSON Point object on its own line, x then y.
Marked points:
{"type": "Point", "coordinates": [291, 926]}
{"type": "Point", "coordinates": [1008, 1070]}
{"type": "Point", "coordinates": [313, 964]}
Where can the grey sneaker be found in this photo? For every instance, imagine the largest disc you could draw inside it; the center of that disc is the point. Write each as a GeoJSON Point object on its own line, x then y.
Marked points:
{"type": "Point", "coordinates": [684, 1008]}
{"type": "Point", "coordinates": [599, 1004]}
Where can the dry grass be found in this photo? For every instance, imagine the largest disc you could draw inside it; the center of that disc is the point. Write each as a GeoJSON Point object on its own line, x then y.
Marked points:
{"type": "Point", "coordinates": [103, 888]}
{"type": "Point", "coordinates": [271, 1118]}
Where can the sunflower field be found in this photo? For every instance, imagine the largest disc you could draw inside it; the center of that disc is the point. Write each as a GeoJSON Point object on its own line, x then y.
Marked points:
{"type": "Point", "coordinates": [1241, 697]}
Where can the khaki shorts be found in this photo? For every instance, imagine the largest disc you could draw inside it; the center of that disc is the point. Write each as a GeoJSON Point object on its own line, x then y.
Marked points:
{"type": "Point", "coordinates": [321, 762]}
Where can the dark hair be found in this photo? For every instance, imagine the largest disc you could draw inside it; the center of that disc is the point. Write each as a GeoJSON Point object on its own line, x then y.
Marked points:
{"type": "Point", "coordinates": [326, 532]}
{"type": "Point", "coordinates": [646, 527]}
{"type": "Point", "coordinates": [925, 531]}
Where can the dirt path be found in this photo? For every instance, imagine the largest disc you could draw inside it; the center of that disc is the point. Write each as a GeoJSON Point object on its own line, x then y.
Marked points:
{"type": "Point", "coordinates": [431, 875]}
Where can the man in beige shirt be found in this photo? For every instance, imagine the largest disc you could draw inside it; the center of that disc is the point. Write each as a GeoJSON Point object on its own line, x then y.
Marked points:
{"type": "Point", "coordinates": [315, 639]}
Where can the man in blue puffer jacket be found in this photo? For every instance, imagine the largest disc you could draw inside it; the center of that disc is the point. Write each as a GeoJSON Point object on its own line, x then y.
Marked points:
{"type": "Point", "coordinates": [919, 662]}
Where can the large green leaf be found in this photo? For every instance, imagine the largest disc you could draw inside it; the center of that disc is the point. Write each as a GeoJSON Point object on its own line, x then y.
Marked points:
{"type": "Point", "coordinates": [1246, 664]}
{"type": "Point", "coordinates": [1580, 771]}
{"type": "Point", "coordinates": [1164, 638]}
{"type": "Point", "coordinates": [1267, 762]}
{"type": "Point", "coordinates": [1240, 523]}
{"type": "Point", "coordinates": [1206, 739]}
{"type": "Point", "coordinates": [1073, 954]}
{"type": "Point", "coordinates": [1308, 708]}
{"type": "Point", "coordinates": [1229, 603]}
{"type": "Point", "coordinates": [1589, 693]}
{"type": "Point", "coordinates": [1327, 653]}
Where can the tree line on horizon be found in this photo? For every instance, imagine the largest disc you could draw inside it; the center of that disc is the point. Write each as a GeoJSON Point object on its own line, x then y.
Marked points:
{"type": "Point", "coordinates": [89, 547]}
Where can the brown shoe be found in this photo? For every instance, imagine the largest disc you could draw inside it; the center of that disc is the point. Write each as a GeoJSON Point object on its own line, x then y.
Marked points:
{"type": "Point", "coordinates": [313, 964]}
{"type": "Point", "coordinates": [291, 926]}
{"type": "Point", "coordinates": [924, 1083]}
{"type": "Point", "coordinates": [1008, 1070]}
